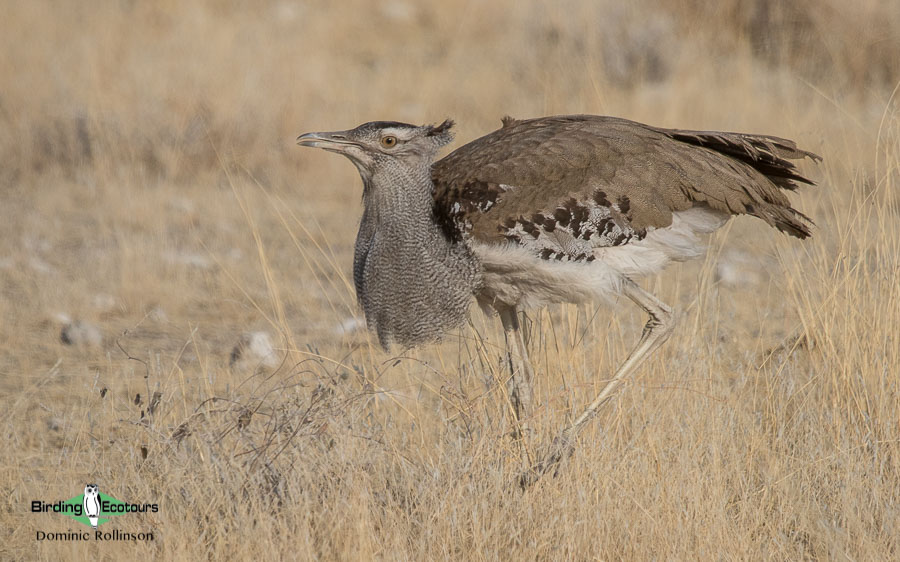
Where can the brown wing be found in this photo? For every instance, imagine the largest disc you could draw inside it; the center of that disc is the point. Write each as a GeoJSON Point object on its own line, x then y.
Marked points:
{"type": "Point", "coordinates": [604, 181]}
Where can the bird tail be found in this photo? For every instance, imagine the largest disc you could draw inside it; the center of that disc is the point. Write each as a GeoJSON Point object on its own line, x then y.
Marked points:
{"type": "Point", "coordinates": [771, 157]}
{"type": "Point", "coordinates": [93, 521]}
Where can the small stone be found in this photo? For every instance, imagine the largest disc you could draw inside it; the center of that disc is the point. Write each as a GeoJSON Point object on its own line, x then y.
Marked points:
{"type": "Point", "coordinates": [739, 269]}
{"type": "Point", "coordinates": [157, 314]}
{"type": "Point", "coordinates": [39, 265]}
{"type": "Point", "coordinates": [349, 326]}
{"type": "Point", "coordinates": [104, 303]}
{"type": "Point", "coordinates": [190, 259]}
{"type": "Point", "coordinates": [80, 334]}
{"type": "Point", "coordinates": [254, 350]}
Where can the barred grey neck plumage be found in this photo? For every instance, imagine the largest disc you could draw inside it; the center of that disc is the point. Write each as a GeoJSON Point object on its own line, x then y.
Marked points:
{"type": "Point", "coordinates": [412, 282]}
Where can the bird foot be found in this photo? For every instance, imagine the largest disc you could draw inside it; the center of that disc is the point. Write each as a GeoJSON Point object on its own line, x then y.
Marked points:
{"type": "Point", "coordinates": [561, 448]}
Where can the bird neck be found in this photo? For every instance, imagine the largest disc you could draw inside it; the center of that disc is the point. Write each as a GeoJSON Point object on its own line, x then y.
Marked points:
{"type": "Point", "coordinates": [400, 194]}
{"type": "Point", "coordinates": [411, 280]}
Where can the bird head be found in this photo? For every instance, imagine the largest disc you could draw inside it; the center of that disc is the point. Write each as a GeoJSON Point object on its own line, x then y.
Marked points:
{"type": "Point", "coordinates": [379, 144]}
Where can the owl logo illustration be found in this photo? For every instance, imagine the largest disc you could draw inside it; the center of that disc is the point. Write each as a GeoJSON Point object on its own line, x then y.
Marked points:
{"type": "Point", "coordinates": [92, 503]}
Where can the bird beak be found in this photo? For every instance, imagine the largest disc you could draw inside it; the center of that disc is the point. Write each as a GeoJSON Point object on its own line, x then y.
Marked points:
{"type": "Point", "coordinates": [335, 142]}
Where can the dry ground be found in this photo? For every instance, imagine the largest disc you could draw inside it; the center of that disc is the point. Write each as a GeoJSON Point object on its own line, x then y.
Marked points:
{"type": "Point", "coordinates": [150, 189]}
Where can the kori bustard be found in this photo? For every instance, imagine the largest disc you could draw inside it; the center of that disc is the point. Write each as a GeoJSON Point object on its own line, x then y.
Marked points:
{"type": "Point", "coordinates": [547, 210]}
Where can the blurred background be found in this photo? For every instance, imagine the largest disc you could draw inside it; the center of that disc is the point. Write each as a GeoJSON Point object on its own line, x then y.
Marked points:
{"type": "Point", "coordinates": [126, 127]}
{"type": "Point", "coordinates": [172, 266]}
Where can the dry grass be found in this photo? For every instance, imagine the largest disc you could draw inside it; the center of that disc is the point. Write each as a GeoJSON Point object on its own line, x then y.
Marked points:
{"type": "Point", "coordinates": [150, 187]}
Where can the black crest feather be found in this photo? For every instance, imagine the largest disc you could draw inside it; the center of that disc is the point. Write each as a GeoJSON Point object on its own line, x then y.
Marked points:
{"type": "Point", "coordinates": [444, 127]}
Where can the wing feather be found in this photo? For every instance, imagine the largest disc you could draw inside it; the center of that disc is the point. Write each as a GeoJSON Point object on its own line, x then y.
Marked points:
{"type": "Point", "coordinates": [614, 174]}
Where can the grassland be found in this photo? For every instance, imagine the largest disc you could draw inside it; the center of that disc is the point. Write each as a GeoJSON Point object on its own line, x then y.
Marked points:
{"type": "Point", "coordinates": [151, 197]}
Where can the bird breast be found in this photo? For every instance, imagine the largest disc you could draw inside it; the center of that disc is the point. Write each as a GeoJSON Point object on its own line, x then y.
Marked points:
{"type": "Point", "coordinates": [412, 283]}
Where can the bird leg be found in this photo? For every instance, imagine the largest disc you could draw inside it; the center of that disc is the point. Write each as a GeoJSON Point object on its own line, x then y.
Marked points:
{"type": "Point", "coordinates": [520, 389]}
{"type": "Point", "coordinates": [656, 332]}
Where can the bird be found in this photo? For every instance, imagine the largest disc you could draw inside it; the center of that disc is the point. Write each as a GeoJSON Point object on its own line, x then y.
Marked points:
{"type": "Point", "coordinates": [559, 209]}
{"type": "Point", "coordinates": [91, 503]}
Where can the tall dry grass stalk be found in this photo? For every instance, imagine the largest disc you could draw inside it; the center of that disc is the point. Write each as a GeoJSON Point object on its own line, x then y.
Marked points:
{"type": "Point", "coordinates": [150, 188]}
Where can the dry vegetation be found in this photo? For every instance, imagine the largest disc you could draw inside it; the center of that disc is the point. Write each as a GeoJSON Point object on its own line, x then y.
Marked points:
{"type": "Point", "coordinates": [150, 191]}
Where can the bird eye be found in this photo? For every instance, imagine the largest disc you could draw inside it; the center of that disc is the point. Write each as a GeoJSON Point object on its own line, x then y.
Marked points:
{"type": "Point", "coordinates": [389, 141]}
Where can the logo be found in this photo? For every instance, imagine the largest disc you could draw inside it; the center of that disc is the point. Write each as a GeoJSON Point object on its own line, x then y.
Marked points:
{"type": "Point", "coordinates": [91, 503]}
{"type": "Point", "coordinates": [93, 509]}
